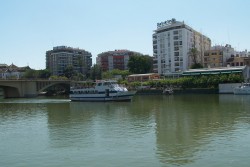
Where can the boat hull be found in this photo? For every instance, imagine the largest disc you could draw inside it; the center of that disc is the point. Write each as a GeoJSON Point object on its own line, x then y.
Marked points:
{"type": "Point", "coordinates": [120, 96]}
{"type": "Point", "coordinates": [244, 89]}
{"type": "Point", "coordinates": [240, 91]}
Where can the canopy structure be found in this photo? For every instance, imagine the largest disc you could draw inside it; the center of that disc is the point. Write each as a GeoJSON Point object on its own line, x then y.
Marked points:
{"type": "Point", "coordinates": [214, 71]}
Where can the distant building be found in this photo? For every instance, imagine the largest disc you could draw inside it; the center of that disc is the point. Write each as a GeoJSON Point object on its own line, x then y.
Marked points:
{"type": "Point", "coordinates": [213, 58]}
{"type": "Point", "coordinates": [172, 42]}
{"type": "Point", "coordinates": [238, 61]}
{"type": "Point", "coordinates": [61, 57]}
{"type": "Point", "coordinates": [117, 59]}
{"type": "Point", "coordinates": [223, 56]}
{"type": "Point", "coordinates": [12, 71]}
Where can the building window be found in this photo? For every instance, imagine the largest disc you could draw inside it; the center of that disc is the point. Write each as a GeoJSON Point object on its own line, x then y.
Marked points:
{"type": "Point", "coordinates": [176, 53]}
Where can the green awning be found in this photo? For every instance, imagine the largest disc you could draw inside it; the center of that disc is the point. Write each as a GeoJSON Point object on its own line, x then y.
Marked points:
{"type": "Point", "coordinates": [205, 73]}
{"type": "Point", "coordinates": [226, 72]}
{"type": "Point", "coordinates": [215, 73]}
{"type": "Point", "coordinates": [236, 71]}
{"type": "Point", "coordinates": [195, 73]}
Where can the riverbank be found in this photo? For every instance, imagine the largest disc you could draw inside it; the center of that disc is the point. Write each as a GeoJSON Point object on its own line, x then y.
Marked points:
{"type": "Point", "coordinates": [179, 91]}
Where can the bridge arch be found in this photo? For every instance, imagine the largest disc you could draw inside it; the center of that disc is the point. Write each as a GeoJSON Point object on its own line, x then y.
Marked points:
{"type": "Point", "coordinates": [9, 91]}
{"type": "Point", "coordinates": [28, 88]}
{"type": "Point", "coordinates": [43, 88]}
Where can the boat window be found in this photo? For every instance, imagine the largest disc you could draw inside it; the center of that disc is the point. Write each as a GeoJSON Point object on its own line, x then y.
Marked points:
{"type": "Point", "coordinates": [99, 84]}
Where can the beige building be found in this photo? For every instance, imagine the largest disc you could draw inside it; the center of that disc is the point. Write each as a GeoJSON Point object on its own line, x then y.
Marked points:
{"type": "Point", "coordinates": [238, 61]}
{"type": "Point", "coordinates": [213, 58]}
{"type": "Point", "coordinates": [202, 44]}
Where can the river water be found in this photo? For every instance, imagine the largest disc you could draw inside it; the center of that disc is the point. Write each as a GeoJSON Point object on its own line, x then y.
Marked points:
{"type": "Point", "coordinates": [154, 131]}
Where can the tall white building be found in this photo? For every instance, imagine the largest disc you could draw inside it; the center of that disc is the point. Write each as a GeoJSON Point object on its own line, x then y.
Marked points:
{"type": "Point", "coordinates": [172, 42]}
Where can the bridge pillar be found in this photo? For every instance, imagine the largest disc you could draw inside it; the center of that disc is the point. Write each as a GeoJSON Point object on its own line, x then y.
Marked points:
{"type": "Point", "coordinates": [28, 89]}
{"type": "Point", "coordinates": [1, 93]}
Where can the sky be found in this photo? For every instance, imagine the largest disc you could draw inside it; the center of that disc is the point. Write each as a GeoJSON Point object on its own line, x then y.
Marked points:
{"type": "Point", "coordinates": [29, 28]}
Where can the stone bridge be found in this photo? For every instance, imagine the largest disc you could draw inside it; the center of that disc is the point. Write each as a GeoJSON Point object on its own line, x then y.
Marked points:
{"type": "Point", "coordinates": [27, 88]}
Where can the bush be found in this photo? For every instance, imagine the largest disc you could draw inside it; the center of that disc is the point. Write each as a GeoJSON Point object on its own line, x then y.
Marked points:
{"type": "Point", "coordinates": [201, 81]}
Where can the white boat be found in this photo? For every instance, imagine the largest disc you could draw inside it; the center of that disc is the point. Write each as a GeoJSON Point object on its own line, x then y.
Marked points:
{"type": "Point", "coordinates": [243, 89]}
{"type": "Point", "coordinates": [168, 91]}
{"type": "Point", "coordinates": [101, 91]}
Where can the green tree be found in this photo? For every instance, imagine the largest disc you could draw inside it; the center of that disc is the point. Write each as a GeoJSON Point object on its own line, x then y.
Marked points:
{"type": "Point", "coordinates": [95, 72]}
{"type": "Point", "coordinates": [195, 66]}
{"type": "Point", "coordinates": [194, 53]}
{"type": "Point", "coordinates": [69, 72]}
{"type": "Point", "coordinates": [30, 74]}
{"type": "Point", "coordinates": [43, 74]}
{"type": "Point", "coordinates": [140, 64]}
{"type": "Point", "coordinates": [110, 74]}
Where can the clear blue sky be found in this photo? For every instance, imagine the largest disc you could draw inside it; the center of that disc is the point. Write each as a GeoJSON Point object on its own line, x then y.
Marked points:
{"type": "Point", "coordinates": [31, 27]}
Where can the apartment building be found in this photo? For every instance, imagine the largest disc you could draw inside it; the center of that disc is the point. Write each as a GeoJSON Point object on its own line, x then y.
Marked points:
{"type": "Point", "coordinates": [172, 41]}
{"type": "Point", "coordinates": [117, 59]}
{"type": "Point", "coordinates": [61, 57]}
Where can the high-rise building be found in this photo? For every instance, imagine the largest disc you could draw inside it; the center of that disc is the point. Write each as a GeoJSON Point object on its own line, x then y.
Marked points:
{"type": "Point", "coordinates": [172, 42]}
{"type": "Point", "coordinates": [61, 57]}
{"type": "Point", "coordinates": [117, 59]}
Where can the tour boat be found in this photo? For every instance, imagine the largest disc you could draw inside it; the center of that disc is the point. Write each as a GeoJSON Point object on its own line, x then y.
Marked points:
{"type": "Point", "coordinates": [100, 91]}
{"type": "Point", "coordinates": [243, 89]}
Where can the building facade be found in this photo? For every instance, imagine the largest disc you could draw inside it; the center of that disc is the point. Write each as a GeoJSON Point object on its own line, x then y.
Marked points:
{"type": "Point", "coordinates": [213, 58]}
{"type": "Point", "coordinates": [61, 57]}
{"type": "Point", "coordinates": [12, 71]}
{"type": "Point", "coordinates": [223, 56]}
{"type": "Point", "coordinates": [172, 42]}
{"type": "Point", "coordinates": [117, 59]}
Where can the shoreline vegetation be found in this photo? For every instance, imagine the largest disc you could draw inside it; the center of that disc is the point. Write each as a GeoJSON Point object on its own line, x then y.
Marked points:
{"type": "Point", "coordinates": [206, 84]}
{"type": "Point", "coordinates": [178, 91]}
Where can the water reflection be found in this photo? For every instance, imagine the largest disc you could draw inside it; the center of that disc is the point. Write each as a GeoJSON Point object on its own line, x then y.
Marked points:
{"type": "Point", "coordinates": [185, 124]}
{"type": "Point", "coordinates": [167, 130]}
{"type": "Point", "coordinates": [20, 112]}
{"type": "Point", "coordinates": [94, 122]}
